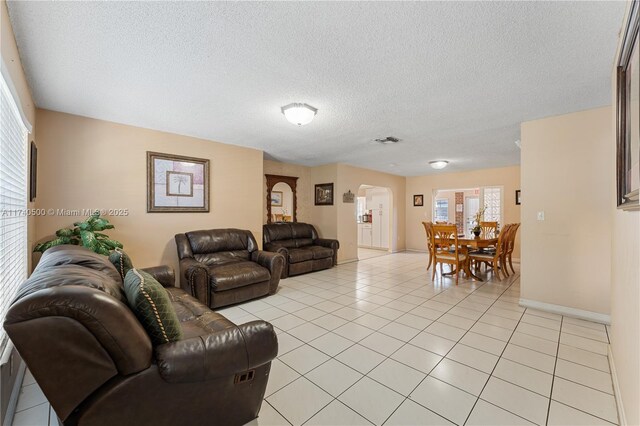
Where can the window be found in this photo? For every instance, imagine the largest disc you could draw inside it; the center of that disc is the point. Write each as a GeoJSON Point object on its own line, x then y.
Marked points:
{"type": "Point", "coordinates": [492, 201]}
{"type": "Point", "coordinates": [441, 213]}
{"type": "Point", "coordinates": [13, 201]}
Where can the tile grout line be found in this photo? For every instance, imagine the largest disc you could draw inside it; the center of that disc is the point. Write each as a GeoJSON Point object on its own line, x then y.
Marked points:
{"type": "Point", "coordinates": [494, 369]}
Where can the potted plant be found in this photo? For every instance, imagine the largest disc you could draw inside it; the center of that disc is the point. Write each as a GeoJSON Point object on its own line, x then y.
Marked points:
{"type": "Point", "coordinates": [86, 233]}
{"type": "Point", "coordinates": [477, 218]}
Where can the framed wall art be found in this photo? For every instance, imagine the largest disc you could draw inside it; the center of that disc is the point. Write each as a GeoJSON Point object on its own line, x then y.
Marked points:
{"type": "Point", "coordinates": [177, 184]}
{"type": "Point", "coordinates": [628, 114]}
{"type": "Point", "coordinates": [324, 194]}
{"type": "Point", "coordinates": [276, 198]}
{"type": "Point", "coordinates": [418, 200]}
{"type": "Point", "coordinates": [518, 199]}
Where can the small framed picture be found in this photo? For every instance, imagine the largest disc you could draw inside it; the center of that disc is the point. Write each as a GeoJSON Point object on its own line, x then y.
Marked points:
{"type": "Point", "coordinates": [276, 198]}
{"type": "Point", "coordinates": [177, 184]}
{"type": "Point", "coordinates": [517, 197]}
{"type": "Point", "coordinates": [324, 194]}
{"type": "Point", "coordinates": [418, 200]}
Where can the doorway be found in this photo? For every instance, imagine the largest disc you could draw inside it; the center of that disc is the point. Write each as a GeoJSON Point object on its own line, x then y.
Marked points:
{"type": "Point", "coordinates": [373, 217]}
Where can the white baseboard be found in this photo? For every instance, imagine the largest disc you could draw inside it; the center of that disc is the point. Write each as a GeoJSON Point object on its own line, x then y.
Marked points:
{"type": "Point", "coordinates": [342, 262]}
{"type": "Point", "coordinates": [616, 389]}
{"type": "Point", "coordinates": [565, 310]}
{"type": "Point", "coordinates": [416, 250]}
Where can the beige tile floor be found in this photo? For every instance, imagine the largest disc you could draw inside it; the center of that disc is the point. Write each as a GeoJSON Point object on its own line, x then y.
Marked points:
{"type": "Point", "coordinates": [377, 342]}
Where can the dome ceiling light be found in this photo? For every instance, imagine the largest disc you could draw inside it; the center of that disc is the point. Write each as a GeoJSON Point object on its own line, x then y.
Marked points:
{"type": "Point", "coordinates": [299, 113]}
{"type": "Point", "coordinates": [438, 164]}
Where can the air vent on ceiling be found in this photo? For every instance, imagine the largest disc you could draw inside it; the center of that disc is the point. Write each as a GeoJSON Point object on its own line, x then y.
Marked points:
{"type": "Point", "coordinates": [389, 140]}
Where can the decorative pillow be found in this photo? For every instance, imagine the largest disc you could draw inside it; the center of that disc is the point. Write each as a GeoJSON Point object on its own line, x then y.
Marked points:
{"type": "Point", "coordinates": [152, 306]}
{"type": "Point", "coordinates": [121, 261]}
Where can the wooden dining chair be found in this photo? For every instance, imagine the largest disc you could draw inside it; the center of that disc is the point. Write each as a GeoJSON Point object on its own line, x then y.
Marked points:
{"type": "Point", "coordinates": [446, 249]}
{"type": "Point", "coordinates": [488, 229]}
{"type": "Point", "coordinates": [511, 242]}
{"type": "Point", "coordinates": [428, 228]}
{"type": "Point", "coordinates": [495, 259]}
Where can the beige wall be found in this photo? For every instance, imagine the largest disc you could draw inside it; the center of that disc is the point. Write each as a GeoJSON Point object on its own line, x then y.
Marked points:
{"type": "Point", "coordinates": [625, 291]}
{"type": "Point", "coordinates": [11, 59]}
{"type": "Point", "coordinates": [567, 257]}
{"type": "Point", "coordinates": [350, 178]}
{"type": "Point", "coordinates": [507, 177]}
{"type": "Point", "coordinates": [87, 163]}
{"type": "Point", "coordinates": [304, 189]}
{"type": "Point", "coordinates": [324, 218]}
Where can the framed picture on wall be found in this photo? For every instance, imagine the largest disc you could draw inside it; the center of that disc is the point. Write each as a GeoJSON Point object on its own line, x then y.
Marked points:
{"type": "Point", "coordinates": [276, 198]}
{"type": "Point", "coordinates": [324, 194]}
{"type": "Point", "coordinates": [628, 114]}
{"type": "Point", "coordinates": [517, 197]}
{"type": "Point", "coordinates": [177, 184]}
{"type": "Point", "coordinates": [418, 200]}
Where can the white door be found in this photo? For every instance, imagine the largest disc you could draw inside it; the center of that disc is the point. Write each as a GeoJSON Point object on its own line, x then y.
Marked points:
{"type": "Point", "coordinates": [366, 235]}
{"type": "Point", "coordinates": [380, 229]}
{"type": "Point", "coordinates": [471, 207]}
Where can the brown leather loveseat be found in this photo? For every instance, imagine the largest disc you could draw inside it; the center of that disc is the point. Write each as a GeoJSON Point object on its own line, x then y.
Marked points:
{"type": "Point", "coordinates": [96, 365]}
{"type": "Point", "coordinates": [222, 267]}
{"type": "Point", "coordinates": [302, 249]}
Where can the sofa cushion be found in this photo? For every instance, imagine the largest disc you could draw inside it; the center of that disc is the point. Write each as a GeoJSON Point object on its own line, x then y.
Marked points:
{"type": "Point", "coordinates": [237, 274]}
{"type": "Point", "coordinates": [121, 261]}
{"type": "Point", "coordinates": [196, 319]}
{"type": "Point", "coordinates": [152, 305]}
{"type": "Point", "coordinates": [303, 242]}
{"type": "Point", "coordinates": [297, 255]}
{"type": "Point", "coordinates": [320, 252]}
{"type": "Point", "coordinates": [220, 240]}
{"type": "Point", "coordinates": [77, 255]}
{"type": "Point", "coordinates": [277, 232]}
{"type": "Point", "coordinates": [223, 257]}
{"type": "Point", "coordinates": [302, 230]}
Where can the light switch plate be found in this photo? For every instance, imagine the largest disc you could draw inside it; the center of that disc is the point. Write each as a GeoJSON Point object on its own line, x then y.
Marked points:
{"type": "Point", "coordinates": [541, 215]}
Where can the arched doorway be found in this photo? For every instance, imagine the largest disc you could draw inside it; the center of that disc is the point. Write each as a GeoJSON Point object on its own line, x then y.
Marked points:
{"type": "Point", "coordinates": [374, 221]}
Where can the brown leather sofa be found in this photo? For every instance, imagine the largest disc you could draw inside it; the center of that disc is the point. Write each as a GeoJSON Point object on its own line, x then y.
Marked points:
{"type": "Point", "coordinates": [302, 249]}
{"type": "Point", "coordinates": [95, 363]}
{"type": "Point", "coordinates": [222, 267]}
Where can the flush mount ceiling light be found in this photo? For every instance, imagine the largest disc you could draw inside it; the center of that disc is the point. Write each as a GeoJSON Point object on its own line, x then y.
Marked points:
{"type": "Point", "coordinates": [299, 114]}
{"type": "Point", "coordinates": [438, 164]}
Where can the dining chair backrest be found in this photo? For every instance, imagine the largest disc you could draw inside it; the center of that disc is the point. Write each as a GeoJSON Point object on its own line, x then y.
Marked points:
{"type": "Point", "coordinates": [445, 239]}
{"type": "Point", "coordinates": [428, 229]}
{"type": "Point", "coordinates": [502, 245]}
{"type": "Point", "coordinates": [488, 229]}
{"type": "Point", "coordinates": [512, 237]}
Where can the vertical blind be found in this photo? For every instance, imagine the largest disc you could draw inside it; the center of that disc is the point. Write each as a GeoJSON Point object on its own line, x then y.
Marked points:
{"type": "Point", "coordinates": [13, 202]}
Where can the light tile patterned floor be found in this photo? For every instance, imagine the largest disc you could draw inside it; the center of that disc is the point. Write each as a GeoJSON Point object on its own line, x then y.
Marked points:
{"type": "Point", "coordinates": [376, 342]}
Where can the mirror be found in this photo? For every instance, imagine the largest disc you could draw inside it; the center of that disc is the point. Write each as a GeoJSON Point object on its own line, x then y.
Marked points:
{"type": "Point", "coordinates": [281, 198]}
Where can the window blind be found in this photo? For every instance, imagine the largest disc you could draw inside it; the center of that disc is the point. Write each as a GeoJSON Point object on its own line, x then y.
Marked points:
{"type": "Point", "coordinates": [13, 202]}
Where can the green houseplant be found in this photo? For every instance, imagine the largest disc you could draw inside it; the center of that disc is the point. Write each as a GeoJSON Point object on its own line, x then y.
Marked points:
{"type": "Point", "coordinates": [86, 233]}
{"type": "Point", "coordinates": [477, 218]}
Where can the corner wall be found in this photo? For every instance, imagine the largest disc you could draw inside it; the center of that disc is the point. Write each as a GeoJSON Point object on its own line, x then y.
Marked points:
{"type": "Point", "coordinates": [93, 164]}
{"type": "Point", "coordinates": [566, 175]}
{"type": "Point", "coordinates": [625, 289]}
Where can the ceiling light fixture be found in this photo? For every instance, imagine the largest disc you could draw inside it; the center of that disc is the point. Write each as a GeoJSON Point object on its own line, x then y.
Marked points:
{"type": "Point", "coordinates": [300, 114]}
{"type": "Point", "coordinates": [438, 164]}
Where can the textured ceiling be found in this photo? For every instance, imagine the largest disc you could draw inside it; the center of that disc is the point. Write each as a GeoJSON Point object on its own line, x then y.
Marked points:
{"type": "Point", "coordinates": [452, 80]}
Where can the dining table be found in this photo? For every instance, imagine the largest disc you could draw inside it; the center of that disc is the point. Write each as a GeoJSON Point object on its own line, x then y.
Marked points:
{"type": "Point", "coordinates": [467, 242]}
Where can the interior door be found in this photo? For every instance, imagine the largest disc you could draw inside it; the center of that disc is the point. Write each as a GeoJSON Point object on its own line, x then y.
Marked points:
{"type": "Point", "coordinates": [471, 207]}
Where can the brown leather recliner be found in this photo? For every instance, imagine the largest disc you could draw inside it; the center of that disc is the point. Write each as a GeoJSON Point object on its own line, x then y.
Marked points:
{"type": "Point", "coordinates": [302, 249]}
{"type": "Point", "coordinates": [95, 363]}
{"type": "Point", "coordinates": [222, 267]}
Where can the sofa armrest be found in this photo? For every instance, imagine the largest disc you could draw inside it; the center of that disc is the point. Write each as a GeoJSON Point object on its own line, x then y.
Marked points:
{"type": "Point", "coordinates": [278, 248]}
{"type": "Point", "coordinates": [220, 354]}
{"type": "Point", "coordinates": [163, 274]}
{"type": "Point", "coordinates": [332, 244]}
{"type": "Point", "coordinates": [194, 279]}
{"type": "Point", "coordinates": [274, 262]}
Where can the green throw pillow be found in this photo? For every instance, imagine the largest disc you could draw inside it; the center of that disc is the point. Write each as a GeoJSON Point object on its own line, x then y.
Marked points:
{"type": "Point", "coordinates": [121, 261]}
{"type": "Point", "coordinates": [152, 306]}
